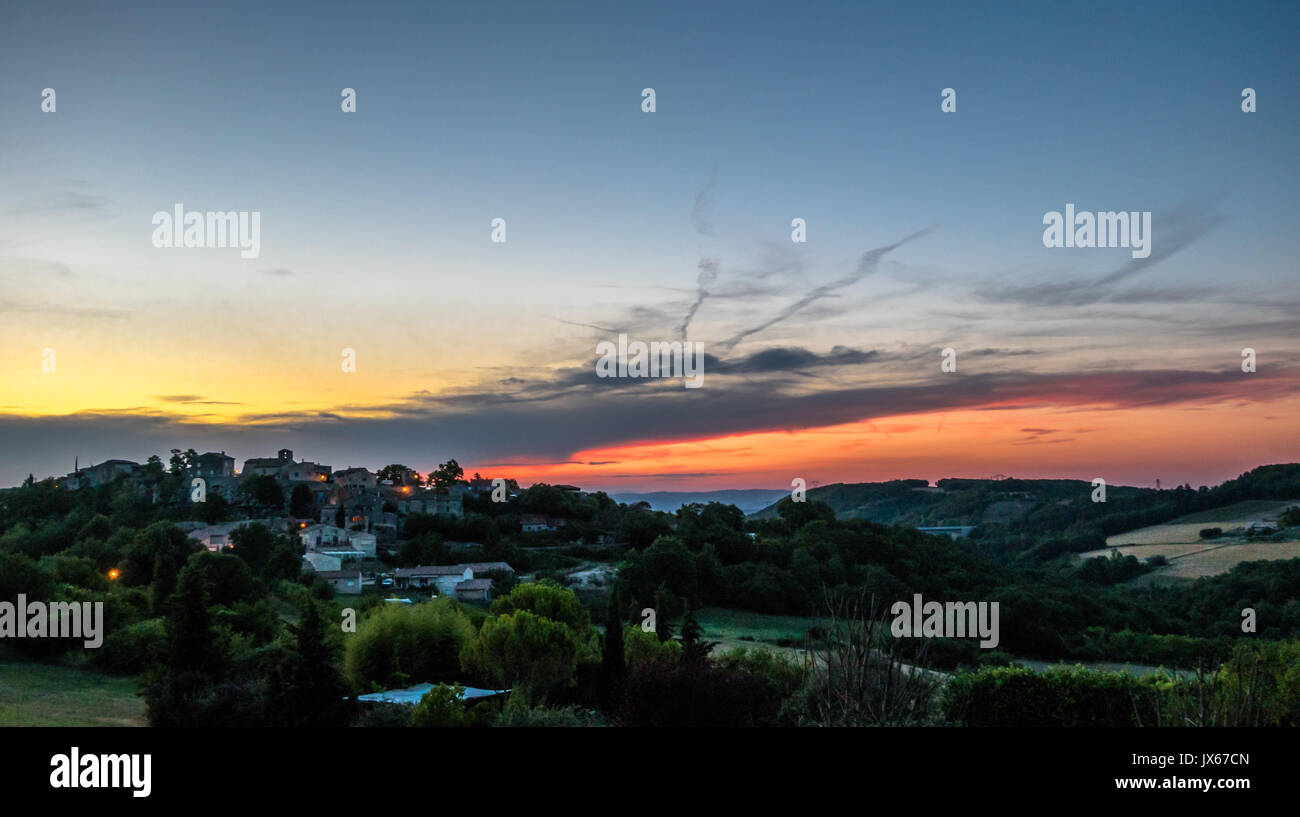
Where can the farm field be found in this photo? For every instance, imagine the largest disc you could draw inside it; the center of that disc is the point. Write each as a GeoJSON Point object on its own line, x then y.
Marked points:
{"type": "Point", "coordinates": [1222, 559]}
{"type": "Point", "coordinates": [1187, 529]}
{"type": "Point", "coordinates": [1190, 556]}
{"type": "Point", "coordinates": [50, 695]}
{"type": "Point", "coordinates": [1169, 551]}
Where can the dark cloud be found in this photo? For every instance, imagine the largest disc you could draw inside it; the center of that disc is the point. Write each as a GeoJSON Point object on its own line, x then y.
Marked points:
{"type": "Point", "coordinates": [480, 427]}
{"type": "Point", "coordinates": [196, 399]}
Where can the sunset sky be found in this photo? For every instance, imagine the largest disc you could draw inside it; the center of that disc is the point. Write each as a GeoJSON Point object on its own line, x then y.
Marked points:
{"type": "Point", "coordinates": [823, 358]}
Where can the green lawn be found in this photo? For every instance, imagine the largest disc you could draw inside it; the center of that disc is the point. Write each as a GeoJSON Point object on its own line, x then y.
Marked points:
{"type": "Point", "coordinates": [49, 695]}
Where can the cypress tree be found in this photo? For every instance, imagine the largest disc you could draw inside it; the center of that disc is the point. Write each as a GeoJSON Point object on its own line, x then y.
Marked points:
{"type": "Point", "coordinates": [613, 660]}
{"type": "Point", "coordinates": [164, 580]}
{"type": "Point", "coordinates": [190, 640]}
{"type": "Point", "coordinates": [307, 688]}
{"type": "Point", "coordinates": [694, 648]}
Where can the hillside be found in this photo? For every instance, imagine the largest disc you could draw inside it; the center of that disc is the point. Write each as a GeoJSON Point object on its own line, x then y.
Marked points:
{"type": "Point", "coordinates": [950, 501]}
{"type": "Point", "coordinates": [1041, 518]}
{"type": "Point", "coordinates": [748, 500]}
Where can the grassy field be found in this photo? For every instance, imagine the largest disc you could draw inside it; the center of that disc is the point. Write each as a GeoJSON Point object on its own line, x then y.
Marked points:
{"type": "Point", "coordinates": [1222, 559]}
{"type": "Point", "coordinates": [741, 628]}
{"type": "Point", "coordinates": [1146, 551]}
{"type": "Point", "coordinates": [49, 695]}
{"type": "Point", "coordinates": [1190, 556]}
{"type": "Point", "coordinates": [1187, 529]}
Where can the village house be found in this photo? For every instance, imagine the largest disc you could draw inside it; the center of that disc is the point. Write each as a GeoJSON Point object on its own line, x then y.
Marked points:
{"type": "Point", "coordinates": [451, 580]}
{"type": "Point", "coordinates": [474, 590]}
{"type": "Point", "coordinates": [345, 582]}
{"type": "Point", "coordinates": [314, 537]}
{"type": "Point", "coordinates": [218, 474]}
{"type": "Point", "coordinates": [304, 472]}
{"type": "Point", "coordinates": [267, 466]}
{"type": "Point", "coordinates": [433, 503]}
{"type": "Point", "coordinates": [355, 478]}
{"type": "Point", "coordinates": [94, 476]}
{"type": "Point", "coordinates": [341, 542]}
{"type": "Point", "coordinates": [534, 522]}
{"type": "Point", "coordinates": [217, 537]}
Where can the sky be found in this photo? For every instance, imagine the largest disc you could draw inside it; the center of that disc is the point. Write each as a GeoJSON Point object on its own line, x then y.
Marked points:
{"type": "Point", "coordinates": [822, 359]}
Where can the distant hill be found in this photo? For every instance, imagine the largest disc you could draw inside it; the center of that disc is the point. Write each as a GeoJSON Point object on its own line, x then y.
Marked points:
{"type": "Point", "coordinates": [1043, 517]}
{"type": "Point", "coordinates": [949, 501]}
{"type": "Point", "coordinates": [748, 500]}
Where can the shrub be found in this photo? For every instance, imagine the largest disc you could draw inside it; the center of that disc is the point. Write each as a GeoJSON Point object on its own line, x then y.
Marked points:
{"type": "Point", "coordinates": [525, 650]}
{"type": "Point", "coordinates": [383, 715]}
{"type": "Point", "coordinates": [442, 706]}
{"type": "Point", "coordinates": [518, 712]}
{"type": "Point", "coordinates": [132, 649]}
{"type": "Point", "coordinates": [1015, 696]}
{"type": "Point", "coordinates": [547, 600]}
{"type": "Point", "coordinates": [399, 645]}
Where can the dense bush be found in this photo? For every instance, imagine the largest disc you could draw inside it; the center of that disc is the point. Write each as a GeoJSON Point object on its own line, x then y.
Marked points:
{"type": "Point", "coordinates": [130, 650]}
{"type": "Point", "coordinates": [400, 645]}
{"type": "Point", "coordinates": [744, 691]}
{"type": "Point", "coordinates": [442, 706]}
{"type": "Point", "coordinates": [1015, 696]}
{"type": "Point", "coordinates": [526, 651]}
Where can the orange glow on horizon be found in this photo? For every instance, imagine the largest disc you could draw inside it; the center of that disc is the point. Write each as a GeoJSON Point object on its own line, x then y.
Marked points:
{"type": "Point", "coordinates": [1129, 446]}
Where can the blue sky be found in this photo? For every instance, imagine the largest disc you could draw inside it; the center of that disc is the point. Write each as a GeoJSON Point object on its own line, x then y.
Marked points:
{"type": "Point", "coordinates": [378, 221]}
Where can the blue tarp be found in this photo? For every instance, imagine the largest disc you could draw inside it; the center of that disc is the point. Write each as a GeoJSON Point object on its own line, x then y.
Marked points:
{"type": "Point", "coordinates": [412, 695]}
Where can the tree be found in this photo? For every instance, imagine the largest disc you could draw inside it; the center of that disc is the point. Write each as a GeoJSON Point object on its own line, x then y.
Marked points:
{"type": "Point", "coordinates": [253, 543]}
{"type": "Point", "coordinates": [443, 706]}
{"type": "Point", "coordinates": [164, 580]}
{"type": "Point", "coordinates": [798, 514]}
{"type": "Point", "coordinates": [694, 647]}
{"type": "Point", "coordinates": [613, 661]}
{"type": "Point", "coordinates": [191, 643]}
{"type": "Point", "coordinates": [447, 475]}
{"type": "Point", "coordinates": [302, 503]}
{"type": "Point", "coordinates": [395, 473]}
{"type": "Point", "coordinates": [285, 561]}
{"type": "Point", "coordinates": [138, 557]}
{"type": "Point", "coordinates": [400, 645]}
{"type": "Point", "coordinates": [546, 599]}
{"type": "Point", "coordinates": [526, 652]}
{"type": "Point", "coordinates": [227, 578]}
{"type": "Point", "coordinates": [212, 510]}
{"type": "Point", "coordinates": [182, 461]}
{"type": "Point", "coordinates": [306, 687]}
{"type": "Point", "coordinates": [265, 490]}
